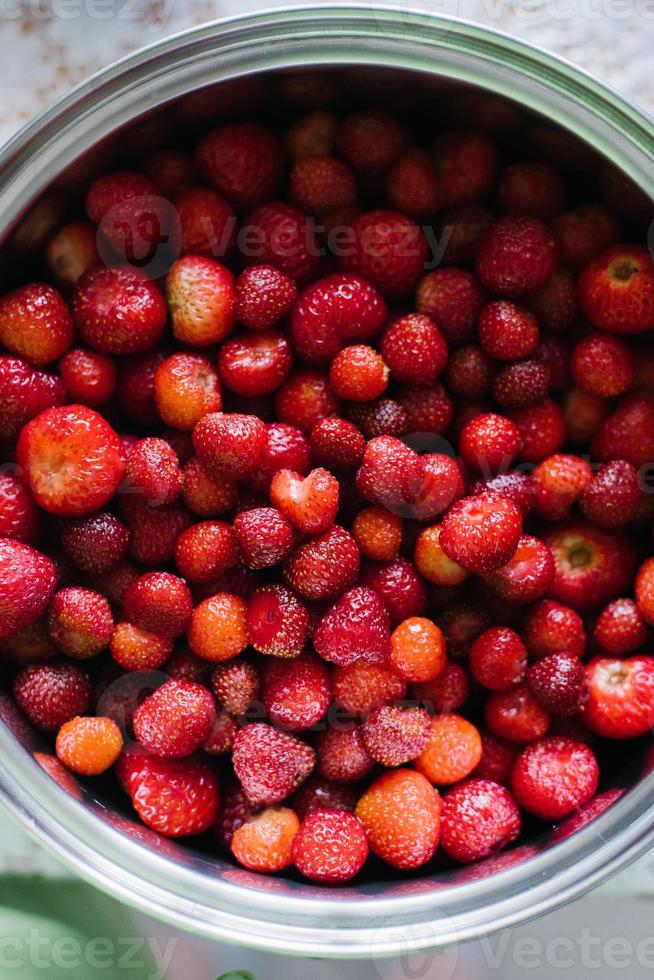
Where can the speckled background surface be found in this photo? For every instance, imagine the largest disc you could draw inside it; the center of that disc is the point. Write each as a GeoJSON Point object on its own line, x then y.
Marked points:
{"type": "Point", "coordinates": [47, 46]}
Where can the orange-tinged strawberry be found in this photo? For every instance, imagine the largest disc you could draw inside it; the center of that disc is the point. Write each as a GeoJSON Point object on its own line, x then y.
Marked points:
{"type": "Point", "coordinates": [89, 745]}
{"type": "Point", "coordinates": [265, 842]}
{"type": "Point", "coordinates": [201, 295]}
{"type": "Point", "coordinates": [401, 814]}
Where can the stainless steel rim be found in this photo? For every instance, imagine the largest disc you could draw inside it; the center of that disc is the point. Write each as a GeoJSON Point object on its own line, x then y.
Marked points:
{"type": "Point", "coordinates": [313, 921]}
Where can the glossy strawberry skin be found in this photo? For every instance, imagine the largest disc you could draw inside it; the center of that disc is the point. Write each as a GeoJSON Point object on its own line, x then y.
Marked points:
{"type": "Point", "coordinates": [175, 797]}
{"type": "Point", "coordinates": [270, 764]}
{"type": "Point", "coordinates": [332, 312]}
{"type": "Point", "coordinates": [35, 323]}
{"type": "Point", "coordinates": [51, 694]}
{"type": "Point", "coordinates": [27, 581]}
{"type": "Point", "coordinates": [175, 720]}
{"type": "Point", "coordinates": [323, 567]}
{"type": "Point", "coordinates": [72, 459]}
{"type": "Point", "coordinates": [355, 628]}
{"type": "Point", "coordinates": [118, 310]}
{"type": "Point", "coordinates": [620, 699]}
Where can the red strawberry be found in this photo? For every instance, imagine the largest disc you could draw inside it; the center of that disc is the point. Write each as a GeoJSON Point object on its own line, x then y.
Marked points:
{"type": "Point", "coordinates": [153, 470]}
{"type": "Point", "coordinates": [527, 575]}
{"type": "Point", "coordinates": [412, 187]}
{"type": "Point", "coordinates": [414, 349]}
{"type": "Point", "coordinates": [153, 530]}
{"type": "Point", "coordinates": [130, 215]}
{"type": "Point", "coordinates": [481, 533]}
{"type": "Point", "coordinates": [232, 444]}
{"type": "Point", "coordinates": [337, 445]}
{"type": "Point", "coordinates": [330, 846]}
{"type": "Point", "coordinates": [253, 364]}
{"type": "Point", "coordinates": [371, 140]}
{"type": "Point", "coordinates": [264, 295]}
{"type": "Point", "coordinates": [395, 735]}
{"type": "Point", "coordinates": [24, 393]}
{"type": "Point", "coordinates": [35, 323]}
{"type": "Point", "coordinates": [400, 586]}
{"type": "Point", "coordinates": [388, 249]}
{"type": "Point", "coordinates": [270, 764]}
{"type": "Point", "coordinates": [88, 376]}
{"type": "Point", "coordinates": [342, 756]}
{"type": "Point", "coordinates": [554, 776]}
{"type": "Point", "coordinates": [284, 237]}
{"type": "Point", "coordinates": [243, 160]}
{"type": "Point", "coordinates": [176, 720]}
{"type": "Point", "coordinates": [453, 299]}
{"type": "Point", "coordinates": [591, 566]}
{"type": "Point", "coordinates": [310, 502]}
{"type": "Point", "coordinates": [391, 474]}
{"type": "Point", "coordinates": [170, 171]}
{"type": "Point", "coordinates": [614, 496]}
{"type": "Point", "coordinates": [51, 694]}
{"type": "Point", "coordinates": [159, 602]}
{"type": "Point", "coordinates": [175, 797]}
{"type": "Point", "coordinates": [498, 659]}
{"type": "Point", "coordinates": [27, 581]}
{"type": "Point", "coordinates": [19, 517]}
{"type": "Point", "coordinates": [560, 684]}
{"type": "Point", "coordinates": [517, 254]}
{"type": "Point", "coordinates": [383, 417]}
{"type": "Point", "coordinates": [465, 164]}
{"type": "Point", "coordinates": [321, 183]}
{"type": "Point", "coordinates": [118, 310]}
{"type": "Point", "coordinates": [96, 543]}
{"type": "Point", "coordinates": [72, 460]}
{"type": "Point", "coordinates": [208, 224]}
{"type": "Point", "coordinates": [617, 290]}
{"type": "Point", "coordinates": [532, 188]}
{"type": "Point", "coordinates": [305, 399]}
{"type": "Point", "coordinates": [80, 622]}
{"type": "Point", "coordinates": [489, 443]}
{"type": "Point", "coordinates": [621, 697]}
{"type": "Point", "coordinates": [361, 687]}
{"type": "Point", "coordinates": [295, 692]}
{"type": "Point", "coordinates": [480, 817]}
{"type": "Point", "coordinates": [620, 628]}
{"type": "Point", "coordinates": [333, 311]}
{"type": "Point", "coordinates": [236, 685]}
{"type": "Point", "coordinates": [322, 568]}
{"type": "Point", "coordinates": [628, 432]}
{"type": "Point", "coordinates": [356, 628]}
{"type": "Point", "coordinates": [264, 536]}
{"type": "Point", "coordinates": [277, 622]}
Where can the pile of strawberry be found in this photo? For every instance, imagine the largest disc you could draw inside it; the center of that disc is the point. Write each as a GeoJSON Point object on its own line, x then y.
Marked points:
{"type": "Point", "coordinates": [379, 530]}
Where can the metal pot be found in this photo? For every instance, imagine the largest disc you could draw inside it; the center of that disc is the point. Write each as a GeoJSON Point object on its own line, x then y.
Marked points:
{"type": "Point", "coordinates": [384, 48]}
